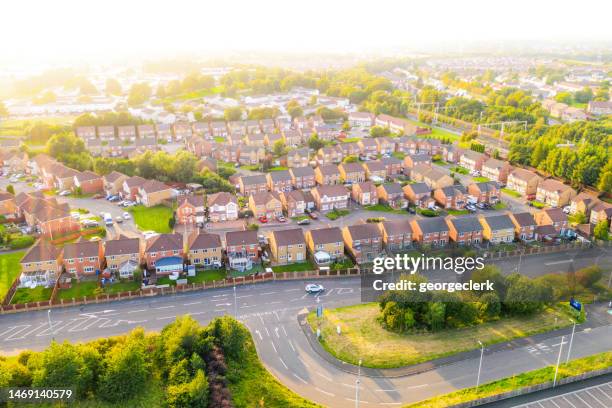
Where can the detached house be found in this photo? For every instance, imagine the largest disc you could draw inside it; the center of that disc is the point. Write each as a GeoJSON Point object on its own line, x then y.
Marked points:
{"type": "Point", "coordinates": [418, 194]}
{"type": "Point", "coordinates": [280, 181]}
{"type": "Point", "coordinates": [524, 182]}
{"type": "Point", "coordinates": [88, 182]}
{"type": "Point", "coordinates": [497, 228]}
{"type": "Point", "coordinates": [253, 184]}
{"type": "Point", "coordinates": [496, 170]}
{"type": "Point", "coordinates": [303, 177]}
{"type": "Point", "coordinates": [131, 186]}
{"type": "Point", "coordinates": [83, 258]}
{"type": "Point", "coordinates": [365, 193]}
{"type": "Point", "coordinates": [553, 216]}
{"type": "Point", "coordinates": [204, 250]}
{"type": "Point", "coordinates": [554, 193]}
{"type": "Point", "coordinates": [352, 173]}
{"type": "Point", "coordinates": [294, 203]}
{"type": "Point", "coordinates": [413, 160]}
{"type": "Point", "coordinates": [451, 153]}
{"type": "Point", "coordinates": [431, 176]}
{"type": "Point", "coordinates": [524, 225]}
{"type": "Point", "coordinates": [328, 240]}
{"type": "Point", "coordinates": [330, 197]}
{"type": "Point", "coordinates": [266, 204]}
{"type": "Point", "coordinates": [242, 249]}
{"type": "Point", "coordinates": [327, 174]}
{"type": "Point", "coordinates": [40, 265]}
{"type": "Point", "coordinates": [464, 230]}
{"type": "Point", "coordinates": [363, 242]}
{"type": "Point", "coordinates": [453, 197]}
{"type": "Point", "coordinates": [191, 210]}
{"type": "Point", "coordinates": [123, 256]}
{"type": "Point", "coordinates": [393, 166]}
{"type": "Point", "coordinates": [397, 235]}
{"type": "Point", "coordinates": [222, 206]}
{"type": "Point", "coordinates": [583, 203]}
{"type": "Point", "coordinates": [485, 192]}
{"type": "Point", "coordinates": [164, 254]}
{"type": "Point", "coordinates": [430, 231]}
{"type": "Point", "coordinates": [392, 195]}
{"type": "Point", "coordinates": [287, 246]}
{"type": "Point", "coordinates": [472, 160]}
{"type": "Point", "coordinates": [601, 212]}
{"type": "Point", "coordinates": [154, 192]}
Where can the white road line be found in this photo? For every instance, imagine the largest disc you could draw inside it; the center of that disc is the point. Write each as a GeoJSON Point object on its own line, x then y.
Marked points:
{"type": "Point", "coordinates": [195, 313]}
{"type": "Point", "coordinates": [283, 363]}
{"type": "Point", "coordinates": [10, 329]}
{"type": "Point", "coordinates": [267, 332]}
{"type": "Point", "coordinates": [261, 319]}
{"type": "Point", "coordinates": [247, 306]}
{"type": "Point", "coordinates": [580, 398]}
{"type": "Point", "coordinates": [291, 346]}
{"type": "Point", "coordinates": [325, 392]}
{"type": "Point", "coordinates": [323, 376]}
{"type": "Point", "coordinates": [347, 385]}
{"type": "Point", "coordinates": [276, 332]}
{"type": "Point", "coordinates": [558, 262]}
{"type": "Point", "coordinates": [566, 400]}
{"type": "Point", "coordinates": [267, 293]}
{"type": "Point", "coordinates": [259, 334]}
{"type": "Point", "coordinates": [360, 401]}
{"type": "Point", "coordinates": [284, 331]}
{"type": "Point", "coordinates": [291, 290]}
{"type": "Point", "coordinates": [296, 299]}
{"type": "Point", "coordinates": [595, 398]}
{"type": "Point", "coordinates": [303, 362]}
{"type": "Point", "coordinates": [220, 310]}
{"type": "Point", "coordinates": [166, 318]}
{"type": "Point", "coordinates": [191, 303]}
{"type": "Point", "coordinates": [273, 346]}
{"type": "Point", "coordinates": [245, 296]}
{"type": "Point", "coordinates": [164, 307]}
{"type": "Point", "coordinates": [137, 311]}
{"type": "Point", "coordinates": [300, 378]}
{"type": "Point", "coordinates": [54, 328]}
{"type": "Point", "coordinates": [26, 334]}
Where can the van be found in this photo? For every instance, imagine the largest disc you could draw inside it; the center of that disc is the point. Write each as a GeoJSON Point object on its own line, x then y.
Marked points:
{"type": "Point", "coordinates": [108, 219]}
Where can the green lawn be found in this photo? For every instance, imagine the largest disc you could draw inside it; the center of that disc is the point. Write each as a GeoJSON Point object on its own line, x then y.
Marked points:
{"type": "Point", "coordinates": [152, 218]}
{"type": "Point", "coordinates": [296, 267]}
{"type": "Point", "coordinates": [538, 204]}
{"type": "Point", "coordinates": [457, 212]}
{"type": "Point", "coordinates": [344, 264]}
{"type": "Point", "coordinates": [278, 168]}
{"type": "Point", "coordinates": [335, 214]}
{"type": "Point", "coordinates": [460, 170]}
{"type": "Point", "coordinates": [480, 179]}
{"type": "Point", "coordinates": [363, 336]}
{"type": "Point", "coordinates": [9, 270]}
{"type": "Point", "coordinates": [350, 139]}
{"type": "Point", "coordinates": [78, 290]}
{"type": "Point", "coordinates": [26, 295]}
{"type": "Point", "coordinates": [383, 208]}
{"type": "Point", "coordinates": [511, 193]}
{"type": "Point", "coordinates": [122, 286]}
{"type": "Point", "coordinates": [300, 218]}
{"type": "Point", "coordinates": [500, 206]}
{"type": "Point", "coordinates": [202, 275]}
{"type": "Point", "coordinates": [542, 375]}
{"type": "Point", "coordinates": [250, 167]}
{"type": "Point", "coordinates": [440, 162]}
{"type": "Point", "coordinates": [219, 139]}
{"type": "Point", "coordinates": [399, 155]}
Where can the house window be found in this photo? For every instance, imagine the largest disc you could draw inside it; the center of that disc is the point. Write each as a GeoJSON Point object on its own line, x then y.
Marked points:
{"type": "Point", "coordinates": [89, 269]}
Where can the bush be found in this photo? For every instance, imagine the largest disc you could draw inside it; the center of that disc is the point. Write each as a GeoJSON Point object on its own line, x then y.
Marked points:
{"type": "Point", "coordinates": [588, 277]}
{"type": "Point", "coordinates": [126, 373]}
{"type": "Point", "coordinates": [426, 212]}
{"type": "Point", "coordinates": [22, 241]}
{"type": "Point", "coordinates": [253, 227]}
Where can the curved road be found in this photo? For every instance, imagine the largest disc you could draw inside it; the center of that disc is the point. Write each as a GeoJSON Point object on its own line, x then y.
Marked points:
{"type": "Point", "coordinates": [269, 310]}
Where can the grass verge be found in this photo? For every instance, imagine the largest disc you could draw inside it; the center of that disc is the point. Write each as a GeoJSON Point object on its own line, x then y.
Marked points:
{"type": "Point", "coordinates": [335, 214]}
{"type": "Point", "coordinates": [364, 337]}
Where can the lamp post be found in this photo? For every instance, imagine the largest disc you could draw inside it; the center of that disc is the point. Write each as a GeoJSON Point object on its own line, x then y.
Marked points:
{"type": "Point", "coordinates": [235, 304]}
{"type": "Point", "coordinates": [480, 363]}
{"type": "Point", "coordinates": [357, 382]}
{"type": "Point", "coordinates": [569, 348]}
{"type": "Point", "coordinates": [558, 360]}
{"type": "Point", "coordinates": [50, 325]}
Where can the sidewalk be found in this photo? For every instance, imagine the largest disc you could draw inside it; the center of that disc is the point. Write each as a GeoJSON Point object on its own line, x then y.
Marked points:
{"type": "Point", "coordinates": [597, 316]}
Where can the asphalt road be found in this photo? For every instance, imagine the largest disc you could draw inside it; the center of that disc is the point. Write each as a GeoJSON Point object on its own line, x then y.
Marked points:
{"type": "Point", "coordinates": [269, 311]}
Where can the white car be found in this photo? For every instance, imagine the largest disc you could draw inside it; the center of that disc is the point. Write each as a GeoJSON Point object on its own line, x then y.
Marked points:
{"type": "Point", "coordinates": [126, 216]}
{"type": "Point", "coordinates": [566, 209]}
{"type": "Point", "coordinates": [64, 193]}
{"type": "Point", "coordinates": [314, 288]}
{"type": "Point", "coordinates": [149, 234]}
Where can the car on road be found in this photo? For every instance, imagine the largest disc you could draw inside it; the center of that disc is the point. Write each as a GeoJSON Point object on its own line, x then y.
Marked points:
{"type": "Point", "coordinates": [118, 219]}
{"type": "Point", "coordinates": [566, 209]}
{"type": "Point", "coordinates": [314, 288]}
{"type": "Point", "coordinates": [470, 208]}
{"type": "Point", "coordinates": [303, 222]}
{"type": "Point", "coordinates": [480, 205]}
{"type": "Point", "coordinates": [281, 218]}
{"type": "Point", "coordinates": [64, 193]}
{"type": "Point", "coordinates": [263, 219]}
{"type": "Point", "coordinates": [126, 216]}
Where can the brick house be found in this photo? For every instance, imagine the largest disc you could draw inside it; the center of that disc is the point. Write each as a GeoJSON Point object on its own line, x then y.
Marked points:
{"type": "Point", "coordinates": [41, 265]}
{"type": "Point", "coordinates": [83, 258]}
{"type": "Point", "coordinates": [368, 147]}
{"type": "Point", "coordinates": [352, 172]}
{"type": "Point", "coordinates": [298, 158]}
{"type": "Point", "coordinates": [292, 137]}
{"type": "Point", "coordinates": [126, 133]}
{"type": "Point", "coordinates": [256, 139]}
{"type": "Point", "coordinates": [146, 131]}
{"type": "Point", "coordinates": [523, 181]}
{"type": "Point", "coordinates": [393, 166]}
{"type": "Point", "coordinates": [219, 129]}
{"type": "Point", "coordinates": [86, 132]}
{"type": "Point", "coordinates": [485, 192]}
{"type": "Point", "coordinates": [329, 155]}
{"type": "Point", "coordinates": [363, 241]}
{"type": "Point", "coordinates": [106, 133]}
{"type": "Point", "coordinates": [431, 176]}
{"type": "Point", "coordinates": [153, 193]}
{"type": "Point", "coordinates": [327, 174]}
{"type": "Point", "coordinates": [554, 193]}
{"type": "Point", "coordinates": [8, 206]}
{"type": "Point", "coordinates": [330, 197]}
{"type": "Point", "coordinates": [361, 119]}
{"type": "Point", "coordinates": [287, 246]}
{"type": "Point", "coordinates": [375, 169]}
{"type": "Point", "coordinates": [497, 228]}
{"type": "Point", "coordinates": [89, 182]}
{"type": "Point", "coordinates": [327, 240]}
{"type": "Point", "coordinates": [191, 210]}
{"type": "Point", "coordinates": [250, 155]}
{"type": "Point", "coordinates": [204, 249]}
{"type": "Point", "coordinates": [385, 145]}
{"type": "Point", "coordinates": [453, 197]}
{"type": "Point", "coordinates": [123, 256]}
{"type": "Point", "coordinates": [266, 204]}
{"type": "Point", "coordinates": [294, 203]}
{"type": "Point", "coordinates": [583, 203]}
{"type": "Point", "coordinates": [524, 225]}
{"type": "Point", "coordinates": [600, 212]}
{"type": "Point", "coordinates": [464, 230]}
{"type": "Point", "coordinates": [496, 170]}
{"type": "Point", "coordinates": [222, 206]}
{"type": "Point", "coordinates": [392, 195]}
{"type": "Point", "coordinates": [280, 181]}
{"type": "Point", "coordinates": [430, 231]}
{"type": "Point", "coordinates": [164, 254]}
{"type": "Point", "coordinates": [242, 249]}
{"type": "Point", "coordinates": [413, 160]}
{"type": "Point", "coordinates": [182, 131]}
{"type": "Point", "coordinates": [472, 160]}
{"type": "Point", "coordinates": [396, 235]}
{"type": "Point", "coordinates": [131, 186]}
{"type": "Point", "coordinates": [253, 184]}
{"type": "Point", "coordinates": [418, 194]}
{"type": "Point", "coordinates": [349, 149]}
{"type": "Point", "coordinates": [302, 177]}
{"type": "Point", "coordinates": [451, 153]}
{"type": "Point", "coordinates": [553, 216]}
{"type": "Point", "coordinates": [406, 145]}
{"type": "Point", "coordinates": [365, 193]}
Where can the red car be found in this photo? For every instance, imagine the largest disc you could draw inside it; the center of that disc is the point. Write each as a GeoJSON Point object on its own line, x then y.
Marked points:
{"type": "Point", "coordinates": [263, 219]}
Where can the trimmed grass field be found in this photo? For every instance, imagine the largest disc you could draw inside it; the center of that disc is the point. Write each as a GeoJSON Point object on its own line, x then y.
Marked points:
{"type": "Point", "coordinates": [152, 218]}
{"type": "Point", "coordinates": [511, 193]}
{"type": "Point", "coordinates": [542, 375]}
{"type": "Point", "coordinates": [460, 170]}
{"type": "Point", "coordinates": [364, 337]}
{"type": "Point", "coordinates": [78, 290]}
{"type": "Point", "coordinates": [296, 267]}
{"type": "Point", "coordinates": [9, 270]}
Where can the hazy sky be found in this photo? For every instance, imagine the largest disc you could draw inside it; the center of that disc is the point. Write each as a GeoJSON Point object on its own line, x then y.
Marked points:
{"type": "Point", "coordinates": [39, 30]}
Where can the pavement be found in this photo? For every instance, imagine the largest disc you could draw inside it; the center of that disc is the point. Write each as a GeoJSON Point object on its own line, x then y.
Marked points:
{"type": "Point", "coordinates": [270, 312]}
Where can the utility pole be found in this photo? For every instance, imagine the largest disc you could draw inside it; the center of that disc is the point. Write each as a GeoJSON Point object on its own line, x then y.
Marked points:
{"type": "Point", "coordinates": [480, 364]}
{"type": "Point", "coordinates": [569, 348]}
{"type": "Point", "coordinates": [558, 360]}
{"type": "Point", "coordinates": [50, 325]}
{"type": "Point", "coordinates": [235, 305]}
{"type": "Point", "coordinates": [357, 382]}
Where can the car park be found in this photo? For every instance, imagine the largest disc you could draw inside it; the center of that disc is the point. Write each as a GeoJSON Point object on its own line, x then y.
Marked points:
{"type": "Point", "coordinates": [314, 288]}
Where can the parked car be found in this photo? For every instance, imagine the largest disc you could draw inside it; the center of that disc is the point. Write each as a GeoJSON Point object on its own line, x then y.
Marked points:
{"type": "Point", "coordinates": [126, 216]}
{"type": "Point", "coordinates": [281, 218]}
{"type": "Point", "coordinates": [64, 193]}
{"type": "Point", "coordinates": [480, 205]}
{"type": "Point", "coordinates": [566, 209]}
{"type": "Point", "coordinates": [303, 222]}
{"type": "Point", "coordinates": [314, 288]}
{"type": "Point", "coordinates": [263, 219]}
{"type": "Point", "coordinates": [118, 220]}
{"type": "Point", "coordinates": [470, 208]}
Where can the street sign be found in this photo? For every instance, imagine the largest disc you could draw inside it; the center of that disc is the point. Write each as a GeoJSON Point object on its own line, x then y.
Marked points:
{"type": "Point", "coordinates": [575, 304]}
{"type": "Point", "coordinates": [319, 310]}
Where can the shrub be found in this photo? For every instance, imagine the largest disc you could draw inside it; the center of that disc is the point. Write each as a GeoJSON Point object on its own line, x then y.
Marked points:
{"type": "Point", "coordinates": [22, 241]}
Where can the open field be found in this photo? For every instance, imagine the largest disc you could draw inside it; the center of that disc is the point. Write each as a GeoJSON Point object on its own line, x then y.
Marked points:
{"type": "Point", "coordinates": [363, 336]}
{"type": "Point", "coordinates": [152, 218]}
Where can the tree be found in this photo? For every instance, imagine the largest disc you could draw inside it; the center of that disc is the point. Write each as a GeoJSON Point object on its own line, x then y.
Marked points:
{"type": "Point", "coordinates": [139, 94]}
{"type": "Point", "coordinates": [192, 394]}
{"type": "Point", "coordinates": [350, 159]}
{"type": "Point", "coordinates": [65, 144]}
{"type": "Point", "coordinates": [601, 231]}
{"type": "Point", "coordinates": [379, 131]}
{"type": "Point", "coordinates": [315, 143]}
{"type": "Point", "coordinates": [113, 87]}
{"type": "Point", "coordinates": [87, 88]}
{"type": "Point", "coordinates": [564, 97]}
{"type": "Point", "coordinates": [279, 148]}
{"type": "Point", "coordinates": [126, 372]}
{"type": "Point", "coordinates": [233, 113]}
{"type": "Point", "coordinates": [230, 336]}
{"type": "Point", "coordinates": [294, 109]}
{"type": "Point", "coordinates": [577, 218]}
{"type": "Point", "coordinates": [584, 96]}
{"type": "Point", "coordinates": [10, 189]}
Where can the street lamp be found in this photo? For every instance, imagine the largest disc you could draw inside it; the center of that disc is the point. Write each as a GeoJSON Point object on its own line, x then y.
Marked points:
{"type": "Point", "coordinates": [235, 304]}
{"type": "Point", "coordinates": [558, 360]}
{"type": "Point", "coordinates": [480, 363]}
{"type": "Point", "coordinates": [357, 382]}
{"type": "Point", "coordinates": [569, 349]}
{"type": "Point", "coordinates": [50, 325]}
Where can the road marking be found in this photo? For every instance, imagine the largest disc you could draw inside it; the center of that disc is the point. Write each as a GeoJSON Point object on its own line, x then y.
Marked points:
{"type": "Point", "coordinates": [10, 329]}
{"type": "Point", "coordinates": [566, 400]}
{"type": "Point", "coordinates": [259, 334]}
{"type": "Point", "coordinates": [360, 401]}
{"type": "Point", "coordinates": [276, 314]}
{"type": "Point", "coordinates": [347, 385]}
{"type": "Point", "coordinates": [284, 331]}
{"type": "Point", "coordinates": [291, 290]}
{"type": "Point", "coordinates": [220, 310]}
{"type": "Point", "coordinates": [137, 311]}
{"type": "Point", "coordinates": [558, 262]}
{"type": "Point", "coordinates": [273, 346]}
{"type": "Point", "coordinates": [267, 332]}
{"type": "Point", "coordinates": [323, 375]}
{"type": "Point", "coordinates": [195, 313]}
{"type": "Point", "coordinates": [274, 303]}
{"type": "Point", "coordinates": [267, 293]}
{"type": "Point", "coordinates": [247, 306]}
{"type": "Point", "coordinates": [26, 333]}
{"type": "Point", "coordinates": [284, 365]}
{"type": "Point", "coordinates": [296, 299]}
{"type": "Point", "coordinates": [76, 327]}
{"type": "Point", "coordinates": [276, 332]}
{"type": "Point", "coordinates": [303, 362]}
{"type": "Point", "coordinates": [261, 319]}
{"type": "Point", "coordinates": [223, 304]}
{"type": "Point", "coordinates": [164, 307]}
{"type": "Point", "coordinates": [245, 296]}
{"type": "Point", "coordinates": [291, 346]}
{"type": "Point", "coordinates": [325, 392]}
{"type": "Point", "coordinates": [300, 378]}
{"type": "Point", "coordinates": [166, 318]}
{"type": "Point", "coordinates": [191, 303]}
{"type": "Point", "coordinates": [595, 398]}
